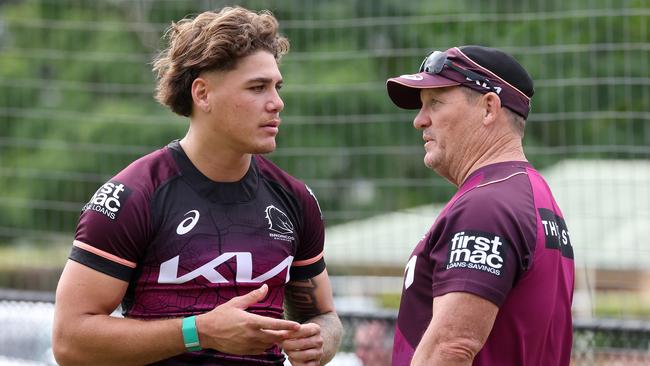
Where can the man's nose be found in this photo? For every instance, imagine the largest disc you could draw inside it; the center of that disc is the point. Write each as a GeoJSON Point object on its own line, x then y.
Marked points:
{"type": "Point", "coordinates": [421, 120]}
{"type": "Point", "coordinates": [276, 104]}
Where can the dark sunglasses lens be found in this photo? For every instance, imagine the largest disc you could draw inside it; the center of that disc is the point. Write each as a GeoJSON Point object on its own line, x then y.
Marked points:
{"type": "Point", "coordinates": [434, 63]}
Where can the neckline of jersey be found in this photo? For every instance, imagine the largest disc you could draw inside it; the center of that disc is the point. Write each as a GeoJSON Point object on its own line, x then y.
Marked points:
{"type": "Point", "coordinates": [484, 169]}
{"type": "Point", "coordinates": [243, 190]}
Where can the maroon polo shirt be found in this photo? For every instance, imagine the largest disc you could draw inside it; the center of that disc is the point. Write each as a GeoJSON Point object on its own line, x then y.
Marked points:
{"type": "Point", "coordinates": [501, 237]}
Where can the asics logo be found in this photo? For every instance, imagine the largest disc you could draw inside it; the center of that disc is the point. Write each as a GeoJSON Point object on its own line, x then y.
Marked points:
{"type": "Point", "coordinates": [188, 224]}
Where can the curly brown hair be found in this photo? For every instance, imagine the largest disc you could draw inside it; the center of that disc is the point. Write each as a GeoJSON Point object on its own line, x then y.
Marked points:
{"type": "Point", "coordinates": [211, 41]}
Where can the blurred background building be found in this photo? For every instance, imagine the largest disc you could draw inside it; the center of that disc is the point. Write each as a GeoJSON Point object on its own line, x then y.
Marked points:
{"type": "Point", "coordinates": [76, 106]}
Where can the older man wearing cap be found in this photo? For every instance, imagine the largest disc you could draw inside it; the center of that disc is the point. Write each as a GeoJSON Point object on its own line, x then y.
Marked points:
{"type": "Point", "coordinates": [491, 283]}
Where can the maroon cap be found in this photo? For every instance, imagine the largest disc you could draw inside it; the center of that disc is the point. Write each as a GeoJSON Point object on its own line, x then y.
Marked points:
{"type": "Point", "coordinates": [504, 75]}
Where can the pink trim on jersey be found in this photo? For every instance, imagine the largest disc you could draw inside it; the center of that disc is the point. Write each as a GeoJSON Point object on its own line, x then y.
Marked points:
{"type": "Point", "coordinates": [103, 254]}
{"type": "Point", "coordinates": [499, 180]}
{"type": "Point", "coordinates": [307, 262]}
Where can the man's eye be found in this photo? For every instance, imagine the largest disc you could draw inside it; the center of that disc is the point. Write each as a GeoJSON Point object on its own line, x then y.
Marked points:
{"type": "Point", "coordinates": [257, 87]}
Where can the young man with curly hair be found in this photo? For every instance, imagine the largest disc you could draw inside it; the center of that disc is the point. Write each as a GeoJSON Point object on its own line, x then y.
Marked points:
{"type": "Point", "coordinates": [204, 242]}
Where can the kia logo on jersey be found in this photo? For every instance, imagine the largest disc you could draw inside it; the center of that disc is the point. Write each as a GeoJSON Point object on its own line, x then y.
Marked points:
{"type": "Point", "coordinates": [210, 271]}
{"type": "Point", "coordinates": [109, 199]}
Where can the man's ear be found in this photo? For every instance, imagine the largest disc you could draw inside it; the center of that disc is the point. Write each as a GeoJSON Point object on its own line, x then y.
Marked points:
{"type": "Point", "coordinates": [492, 107]}
{"type": "Point", "coordinates": [200, 94]}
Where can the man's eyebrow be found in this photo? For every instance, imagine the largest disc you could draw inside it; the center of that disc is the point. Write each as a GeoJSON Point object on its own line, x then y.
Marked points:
{"type": "Point", "coordinates": [428, 97]}
{"type": "Point", "coordinates": [263, 80]}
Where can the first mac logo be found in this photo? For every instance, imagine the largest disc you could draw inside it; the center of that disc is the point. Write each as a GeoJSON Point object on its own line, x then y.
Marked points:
{"type": "Point", "coordinates": [109, 199]}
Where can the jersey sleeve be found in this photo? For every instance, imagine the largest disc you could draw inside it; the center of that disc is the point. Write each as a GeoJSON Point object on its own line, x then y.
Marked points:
{"type": "Point", "coordinates": [309, 260]}
{"type": "Point", "coordinates": [113, 229]}
{"type": "Point", "coordinates": [483, 247]}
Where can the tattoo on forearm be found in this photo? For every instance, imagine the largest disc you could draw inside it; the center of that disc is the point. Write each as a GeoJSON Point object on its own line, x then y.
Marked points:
{"type": "Point", "coordinates": [301, 304]}
{"type": "Point", "coordinates": [300, 300]}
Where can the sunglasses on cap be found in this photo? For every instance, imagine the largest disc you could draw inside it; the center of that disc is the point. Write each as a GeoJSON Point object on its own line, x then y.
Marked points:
{"type": "Point", "coordinates": [437, 60]}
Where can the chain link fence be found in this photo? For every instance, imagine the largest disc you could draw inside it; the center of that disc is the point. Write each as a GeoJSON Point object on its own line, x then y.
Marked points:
{"type": "Point", "coordinates": [76, 106]}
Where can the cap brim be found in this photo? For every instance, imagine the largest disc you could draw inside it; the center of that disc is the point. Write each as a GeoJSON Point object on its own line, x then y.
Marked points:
{"type": "Point", "coordinates": [404, 90]}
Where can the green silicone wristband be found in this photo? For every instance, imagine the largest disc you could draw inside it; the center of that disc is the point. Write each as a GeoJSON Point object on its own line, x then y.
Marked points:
{"type": "Point", "coordinates": [190, 335]}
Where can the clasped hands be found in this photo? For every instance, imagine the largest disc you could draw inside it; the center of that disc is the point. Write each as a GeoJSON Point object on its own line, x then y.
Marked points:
{"type": "Point", "coordinates": [231, 329]}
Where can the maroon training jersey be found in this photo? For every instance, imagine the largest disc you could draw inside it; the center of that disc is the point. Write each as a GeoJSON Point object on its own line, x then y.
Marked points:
{"type": "Point", "coordinates": [501, 237]}
{"type": "Point", "coordinates": [186, 244]}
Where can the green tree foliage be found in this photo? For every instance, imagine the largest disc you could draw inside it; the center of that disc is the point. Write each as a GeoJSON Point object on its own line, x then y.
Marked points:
{"type": "Point", "coordinates": [76, 91]}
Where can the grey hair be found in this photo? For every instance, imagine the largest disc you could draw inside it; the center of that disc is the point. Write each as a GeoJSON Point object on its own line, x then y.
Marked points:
{"type": "Point", "coordinates": [517, 122]}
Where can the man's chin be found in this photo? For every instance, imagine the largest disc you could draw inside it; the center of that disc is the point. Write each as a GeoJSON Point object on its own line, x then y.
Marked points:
{"type": "Point", "coordinates": [430, 163]}
{"type": "Point", "coordinates": [264, 149]}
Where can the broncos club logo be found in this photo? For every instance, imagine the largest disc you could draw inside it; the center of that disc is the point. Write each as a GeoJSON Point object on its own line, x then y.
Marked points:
{"type": "Point", "coordinates": [278, 221]}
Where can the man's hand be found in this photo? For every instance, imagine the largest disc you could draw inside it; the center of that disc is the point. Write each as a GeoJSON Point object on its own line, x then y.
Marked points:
{"type": "Point", "coordinates": [304, 347]}
{"type": "Point", "coordinates": [311, 303]}
{"type": "Point", "coordinates": [231, 329]}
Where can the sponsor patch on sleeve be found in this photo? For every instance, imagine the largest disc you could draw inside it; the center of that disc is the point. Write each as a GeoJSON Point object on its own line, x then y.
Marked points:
{"type": "Point", "coordinates": [109, 199]}
{"type": "Point", "coordinates": [477, 250]}
{"type": "Point", "coordinates": [556, 233]}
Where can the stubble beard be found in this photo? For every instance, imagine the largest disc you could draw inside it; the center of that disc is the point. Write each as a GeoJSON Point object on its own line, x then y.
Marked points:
{"type": "Point", "coordinates": [264, 148]}
{"type": "Point", "coordinates": [436, 162]}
